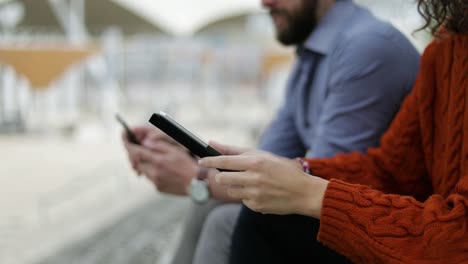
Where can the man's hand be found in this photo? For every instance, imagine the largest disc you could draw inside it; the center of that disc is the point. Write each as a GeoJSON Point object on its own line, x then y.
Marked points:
{"type": "Point", "coordinates": [169, 167]}
{"type": "Point", "coordinates": [163, 161]}
{"type": "Point", "coordinates": [147, 136]}
{"type": "Point", "coordinates": [269, 184]}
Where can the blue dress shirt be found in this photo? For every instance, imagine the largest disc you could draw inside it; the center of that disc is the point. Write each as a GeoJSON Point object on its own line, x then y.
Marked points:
{"type": "Point", "coordinates": [350, 78]}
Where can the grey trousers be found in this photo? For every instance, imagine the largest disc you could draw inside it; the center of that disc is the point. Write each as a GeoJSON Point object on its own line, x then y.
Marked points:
{"type": "Point", "coordinates": [207, 232]}
{"type": "Point", "coordinates": [215, 240]}
{"type": "Point", "coordinates": [191, 231]}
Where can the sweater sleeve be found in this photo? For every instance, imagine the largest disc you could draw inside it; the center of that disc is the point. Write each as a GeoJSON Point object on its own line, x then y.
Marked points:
{"type": "Point", "coordinates": [368, 226]}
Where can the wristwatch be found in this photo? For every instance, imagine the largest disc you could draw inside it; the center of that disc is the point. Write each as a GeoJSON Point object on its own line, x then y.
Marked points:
{"type": "Point", "coordinates": [198, 189]}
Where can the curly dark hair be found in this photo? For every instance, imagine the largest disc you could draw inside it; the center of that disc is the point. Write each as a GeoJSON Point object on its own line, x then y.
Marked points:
{"type": "Point", "coordinates": [453, 14]}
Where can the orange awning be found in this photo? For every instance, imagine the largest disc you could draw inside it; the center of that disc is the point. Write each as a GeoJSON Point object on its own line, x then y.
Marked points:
{"type": "Point", "coordinates": [40, 66]}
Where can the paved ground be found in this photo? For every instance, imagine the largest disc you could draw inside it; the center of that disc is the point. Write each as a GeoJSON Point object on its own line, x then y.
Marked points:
{"type": "Point", "coordinates": [143, 236]}
{"type": "Point", "coordinates": [68, 201]}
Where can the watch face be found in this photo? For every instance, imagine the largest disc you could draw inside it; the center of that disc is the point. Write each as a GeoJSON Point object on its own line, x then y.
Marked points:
{"type": "Point", "coordinates": [199, 191]}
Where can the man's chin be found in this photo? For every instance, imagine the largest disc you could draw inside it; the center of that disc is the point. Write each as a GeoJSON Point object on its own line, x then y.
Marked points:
{"type": "Point", "coordinates": [286, 40]}
{"type": "Point", "coordinates": [291, 37]}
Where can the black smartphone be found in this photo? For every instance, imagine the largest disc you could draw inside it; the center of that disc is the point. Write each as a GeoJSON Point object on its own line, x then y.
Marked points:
{"type": "Point", "coordinates": [180, 134]}
{"type": "Point", "coordinates": [130, 135]}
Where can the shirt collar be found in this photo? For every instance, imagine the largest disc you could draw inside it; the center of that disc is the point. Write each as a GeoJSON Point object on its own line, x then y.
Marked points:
{"type": "Point", "coordinates": [322, 39]}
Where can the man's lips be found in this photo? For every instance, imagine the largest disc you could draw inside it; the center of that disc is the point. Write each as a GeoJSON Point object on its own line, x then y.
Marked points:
{"type": "Point", "coordinates": [279, 17]}
{"type": "Point", "coordinates": [278, 12]}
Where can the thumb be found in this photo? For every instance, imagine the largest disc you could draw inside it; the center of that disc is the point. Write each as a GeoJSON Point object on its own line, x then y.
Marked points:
{"type": "Point", "coordinates": [149, 143]}
{"type": "Point", "coordinates": [227, 149]}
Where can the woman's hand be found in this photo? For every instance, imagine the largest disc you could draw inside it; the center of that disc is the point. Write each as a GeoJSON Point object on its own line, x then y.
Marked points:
{"type": "Point", "coordinates": [269, 184]}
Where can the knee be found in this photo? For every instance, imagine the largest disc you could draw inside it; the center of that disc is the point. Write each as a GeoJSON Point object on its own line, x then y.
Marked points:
{"type": "Point", "coordinates": [222, 219]}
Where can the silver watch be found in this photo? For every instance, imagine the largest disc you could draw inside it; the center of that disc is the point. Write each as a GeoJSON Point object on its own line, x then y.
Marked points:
{"type": "Point", "coordinates": [198, 189]}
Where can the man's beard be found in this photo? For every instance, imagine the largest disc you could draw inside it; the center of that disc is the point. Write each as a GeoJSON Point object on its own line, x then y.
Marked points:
{"type": "Point", "coordinates": [300, 23]}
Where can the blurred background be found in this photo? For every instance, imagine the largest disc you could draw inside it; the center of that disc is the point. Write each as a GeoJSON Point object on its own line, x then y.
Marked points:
{"type": "Point", "coordinates": [67, 192]}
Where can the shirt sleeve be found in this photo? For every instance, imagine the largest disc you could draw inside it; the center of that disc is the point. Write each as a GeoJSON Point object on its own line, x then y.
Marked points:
{"type": "Point", "coordinates": [281, 137]}
{"type": "Point", "coordinates": [369, 78]}
{"type": "Point", "coordinates": [396, 166]}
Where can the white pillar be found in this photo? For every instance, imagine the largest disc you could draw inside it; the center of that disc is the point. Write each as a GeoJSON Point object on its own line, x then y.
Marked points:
{"type": "Point", "coordinates": [71, 16]}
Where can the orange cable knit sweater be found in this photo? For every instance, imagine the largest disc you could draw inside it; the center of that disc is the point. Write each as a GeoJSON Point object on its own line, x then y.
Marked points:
{"type": "Point", "coordinates": [415, 209]}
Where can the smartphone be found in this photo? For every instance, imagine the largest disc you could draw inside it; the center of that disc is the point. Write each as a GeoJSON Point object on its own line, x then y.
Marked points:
{"type": "Point", "coordinates": [180, 134]}
{"type": "Point", "coordinates": [130, 135]}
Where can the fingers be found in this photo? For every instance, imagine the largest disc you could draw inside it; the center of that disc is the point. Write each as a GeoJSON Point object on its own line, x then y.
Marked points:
{"type": "Point", "coordinates": [155, 136]}
{"type": "Point", "coordinates": [244, 193]}
{"type": "Point", "coordinates": [236, 178]}
{"type": "Point", "coordinates": [235, 163]}
{"type": "Point", "coordinates": [228, 150]}
{"type": "Point", "coordinates": [141, 132]}
{"type": "Point", "coordinates": [254, 206]}
{"type": "Point", "coordinates": [238, 192]}
{"type": "Point", "coordinates": [143, 129]}
{"type": "Point", "coordinates": [151, 173]}
{"type": "Point", "coordinates": [124, 137]}
{"type": "Point", "coordinates": [146, 169]}
{"type": "Point", "coordinates": [132, 152]}
{"type": "Point", "coordinates": [148, 156]}
{"type": "Point", "coordinates": [158, 135]}
{"type": "Point", "coordinates": [144, 133]}
{"type": "Point", "coordinates": [138, 154]}
{"type": "Point", "coordinates": [160, 146]}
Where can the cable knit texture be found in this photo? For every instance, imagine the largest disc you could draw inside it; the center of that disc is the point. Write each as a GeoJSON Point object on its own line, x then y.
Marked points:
{"type": "Point", "coordinates": [407, 200]}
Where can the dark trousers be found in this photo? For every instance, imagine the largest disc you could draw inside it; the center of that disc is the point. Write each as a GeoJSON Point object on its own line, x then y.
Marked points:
{"type": "Point", "coordinates": [274, 239]}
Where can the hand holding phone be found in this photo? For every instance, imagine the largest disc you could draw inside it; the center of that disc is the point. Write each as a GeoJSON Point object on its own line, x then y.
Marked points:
{"type": "Point", "coordinates": [130, 135]}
